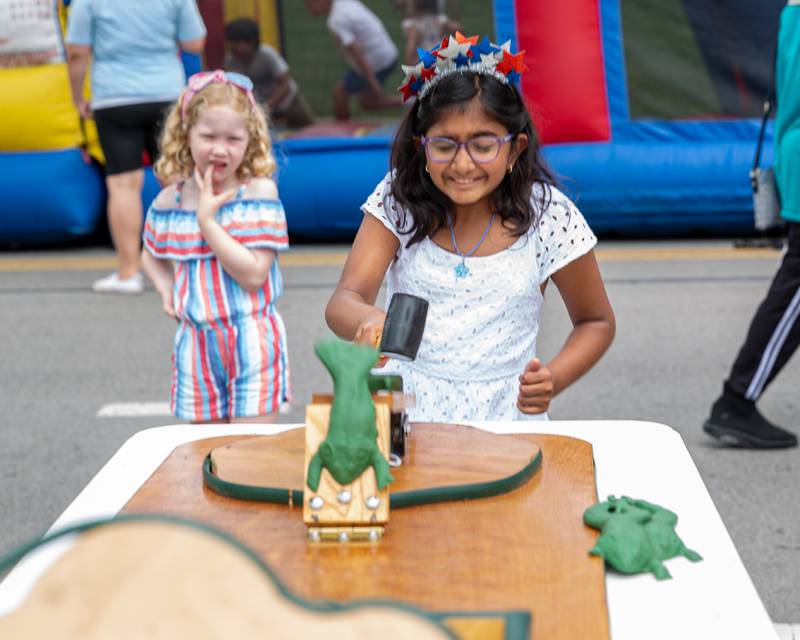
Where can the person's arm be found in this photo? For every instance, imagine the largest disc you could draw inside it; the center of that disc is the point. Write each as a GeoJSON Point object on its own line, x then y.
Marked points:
{"type": "Point", "coordinates": [78, 56]}
{"type": "Point", "coordinates": [351, 312]}
{"type": "Point", "coordinates": [249, 267]}
{"type": "Point", "coordinates": [161, 275]}
{"type": "Point", "coordinates": [191, 30]}
{"type": "Point", "coordinates": [363, 67]}
{"type": "Point", "coordinates": [593, 327]}
{"type": "Point", "coordinates": [412, 42]}
{"type": "Point", "coordinates": [282, 89]}
{"type": "Point", "coordinates": [193, 46]}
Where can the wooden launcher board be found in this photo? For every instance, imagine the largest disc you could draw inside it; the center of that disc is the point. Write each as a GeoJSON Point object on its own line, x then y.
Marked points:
{"type": "Point", "coordinates": [526, 550]}
{"type": "Point", "coordinates": [161, 581]}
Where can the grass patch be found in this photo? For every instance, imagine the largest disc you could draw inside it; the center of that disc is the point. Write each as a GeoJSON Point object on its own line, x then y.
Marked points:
{"type": "Point", "coordinates": [317, 65]}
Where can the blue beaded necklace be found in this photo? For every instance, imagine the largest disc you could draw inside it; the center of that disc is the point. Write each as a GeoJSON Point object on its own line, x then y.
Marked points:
{"type": "Point", "coordinates": [461, 269]}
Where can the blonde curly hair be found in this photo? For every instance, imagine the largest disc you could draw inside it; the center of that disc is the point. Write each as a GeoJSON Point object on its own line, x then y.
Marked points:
{"type": "Point", "coordinates": [175, 161]}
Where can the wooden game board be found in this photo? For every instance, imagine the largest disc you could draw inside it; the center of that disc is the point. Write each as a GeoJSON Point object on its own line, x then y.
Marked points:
{"type": "Point", "coordinates": [522, 550]}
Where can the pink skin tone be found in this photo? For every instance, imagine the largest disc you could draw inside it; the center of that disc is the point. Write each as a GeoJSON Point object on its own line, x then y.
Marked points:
{"type": "Point", "coordinates": [218, 142]}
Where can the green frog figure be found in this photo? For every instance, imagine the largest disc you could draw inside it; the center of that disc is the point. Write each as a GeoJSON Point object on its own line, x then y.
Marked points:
{"type": "Point", "coordinates": [636, 536]}
{"type": "Point", "coordinates": [351, 445]}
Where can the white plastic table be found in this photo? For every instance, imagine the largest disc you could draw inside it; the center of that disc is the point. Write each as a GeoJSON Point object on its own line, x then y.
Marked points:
{"type": "Point", "coordinates": [712, 599]}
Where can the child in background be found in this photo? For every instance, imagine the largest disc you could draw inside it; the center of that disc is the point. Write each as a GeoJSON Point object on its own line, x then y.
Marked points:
{"type": "Point", "coordinates": [211, 242]}
{"type": "Point", "coordinates": [273, 86]}
{"type": "Point", "coordinates": [368, 49]}
{"type": "Point", "coordinates": [468, 218]}
{"type": "Point", "coordinates": [425, 27]}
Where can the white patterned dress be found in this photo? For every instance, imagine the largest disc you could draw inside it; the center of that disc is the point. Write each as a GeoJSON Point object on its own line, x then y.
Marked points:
{"type": "Point", "coordinates": [481, 329]}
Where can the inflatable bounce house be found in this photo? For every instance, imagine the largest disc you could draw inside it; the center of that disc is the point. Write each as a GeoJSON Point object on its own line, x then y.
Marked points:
{"type": "Point", "coordinates": [648, 110]}
{"type": "Point", "coordinates": [51, 172]}
{"type": "Point", "coordinates": [51, 184]}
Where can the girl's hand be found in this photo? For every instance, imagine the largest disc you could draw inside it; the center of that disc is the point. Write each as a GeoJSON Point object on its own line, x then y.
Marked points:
{"type": "Point", "coordinates": [84, 109]}
{"type": "Point", "coordinates": [208, 202]}
{"type": "Point", "coordinates": [535, 388]}
{"type": "Point", "coordinates": [369, 333]}
{"type": "Point", "coordinates": [166, 304]}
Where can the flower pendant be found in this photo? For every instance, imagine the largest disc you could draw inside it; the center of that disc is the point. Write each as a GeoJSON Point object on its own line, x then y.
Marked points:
{"type": "Point", "coordinates": [462, 270]}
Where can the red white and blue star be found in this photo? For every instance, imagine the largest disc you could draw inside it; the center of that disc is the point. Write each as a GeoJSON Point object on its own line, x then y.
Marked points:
{"type": "Point", "coordinates": [458, 54]}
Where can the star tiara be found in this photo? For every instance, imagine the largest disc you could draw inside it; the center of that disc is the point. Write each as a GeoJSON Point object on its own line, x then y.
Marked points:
{"type": "Point", "coordinates": [458, 54]}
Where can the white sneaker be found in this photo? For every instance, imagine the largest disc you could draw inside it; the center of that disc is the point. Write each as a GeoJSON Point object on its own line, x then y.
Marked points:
{"type": "Point", "coordinates": [113, 284]}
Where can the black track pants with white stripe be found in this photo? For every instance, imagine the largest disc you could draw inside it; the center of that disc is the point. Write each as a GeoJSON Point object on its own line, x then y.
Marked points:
{"type": "Point", "coordinates": [774, 333]}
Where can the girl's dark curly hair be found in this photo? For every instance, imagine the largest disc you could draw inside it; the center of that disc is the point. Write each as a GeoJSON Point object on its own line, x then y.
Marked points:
{"type": "Point", "coordinates": [413, 188]}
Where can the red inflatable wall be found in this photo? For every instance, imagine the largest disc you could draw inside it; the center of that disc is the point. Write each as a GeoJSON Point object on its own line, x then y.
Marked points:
{"type": "Point", "coordinates": [565, 85]}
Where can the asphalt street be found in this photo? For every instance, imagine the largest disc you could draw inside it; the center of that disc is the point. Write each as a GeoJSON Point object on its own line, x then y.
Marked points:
{"type": "Point", "coordinates": [682, 310]}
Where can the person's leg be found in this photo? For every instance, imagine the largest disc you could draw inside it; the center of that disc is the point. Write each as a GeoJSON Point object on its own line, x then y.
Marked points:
{"type": "Point", "coordinates": [369, 100]}
{"type": "Point", "coordinates": [772, 338]}
{"type": "Point", "coordinates": [125, 218]}
{"type": "Point", "coordinates": [774, 332]}
{"type": "Point", "coordinates": [259, 375]}
{"type": "Point", "coordinates": [341, 102]}
{"type": "Point", "coordinates": [123, 138]}
{"type": "Point", "coordinates": [299, 113]}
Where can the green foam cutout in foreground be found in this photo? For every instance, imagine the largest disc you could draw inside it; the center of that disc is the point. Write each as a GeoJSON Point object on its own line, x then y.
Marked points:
{"type": "Point", "coordinates": [636, 536]}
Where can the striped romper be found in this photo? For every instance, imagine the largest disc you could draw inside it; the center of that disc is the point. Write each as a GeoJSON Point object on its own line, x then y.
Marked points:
{"type": "Point", "coordinates": [230, 355]}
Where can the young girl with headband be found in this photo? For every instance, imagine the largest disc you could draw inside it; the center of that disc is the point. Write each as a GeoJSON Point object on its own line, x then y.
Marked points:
{"type": "Point", "coordinates": [469, 219]}
{"type": "Point", "coordinates": [211, 242]}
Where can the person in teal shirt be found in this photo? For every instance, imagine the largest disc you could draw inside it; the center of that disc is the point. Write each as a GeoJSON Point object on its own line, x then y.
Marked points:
{"type": "Point", "coordinates": [136, 74]}
{"type": "Point", "coordinates": [774, 333]}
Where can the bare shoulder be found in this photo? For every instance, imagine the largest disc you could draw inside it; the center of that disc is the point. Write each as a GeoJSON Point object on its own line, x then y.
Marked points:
{"type": "Point", "coordinates": [166, 198]}
{"type": "Point", "coordinates": [262, 187]}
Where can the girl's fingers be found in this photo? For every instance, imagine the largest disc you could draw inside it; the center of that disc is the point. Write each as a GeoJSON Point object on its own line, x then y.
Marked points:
{"type": "Point", "coordinates": [533, 365]}
{"type": "Point", "coordinates": [198, 179]}
{"type": "Point", "coordinates": [535, 377]}
{"type": "Point", "coordinates": [531, 409]}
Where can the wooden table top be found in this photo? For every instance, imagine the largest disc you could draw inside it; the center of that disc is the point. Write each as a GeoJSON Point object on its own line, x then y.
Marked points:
{"type": "Point", "coordinates": [524, 550]}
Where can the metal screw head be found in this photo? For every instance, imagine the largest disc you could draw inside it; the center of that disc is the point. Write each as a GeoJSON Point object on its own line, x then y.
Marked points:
{"type": "Point", "coordinates": [344, 536]}
{"type": "Point", "coordinates": [313, 535]}
{"type": "Point", "coordinates": [373, 535]}
{"type": "Point", "coordinates": [344, 496]}
{"type": "Point", "coordinates": [373, 502]}
{"type": "Point", "coordinates": [316, 503]}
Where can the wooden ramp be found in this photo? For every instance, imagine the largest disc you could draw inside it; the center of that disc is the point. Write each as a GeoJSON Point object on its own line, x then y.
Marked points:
{"type": "Point", "coordinates": [526, 549]}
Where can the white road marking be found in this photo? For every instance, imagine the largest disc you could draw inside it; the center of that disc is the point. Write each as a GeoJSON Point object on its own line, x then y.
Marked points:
{"type": "Point", "coordinates": [134, 409]}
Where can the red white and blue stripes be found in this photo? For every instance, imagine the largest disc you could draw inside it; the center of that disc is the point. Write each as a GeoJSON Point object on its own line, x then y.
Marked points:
{"type": "Point", "coordinates": [237, 370]}
{"type": "Point", "coordinates": [230, 356]}
{"type": "Point", "coordinates": [173, 234]}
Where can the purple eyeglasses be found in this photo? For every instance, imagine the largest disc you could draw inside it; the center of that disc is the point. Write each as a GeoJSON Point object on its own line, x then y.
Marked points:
{"type": "Point", "coordinates": [482, 149]}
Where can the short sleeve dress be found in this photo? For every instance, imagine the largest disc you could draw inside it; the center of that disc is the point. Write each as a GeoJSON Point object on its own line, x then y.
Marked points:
{"type": "Point", "coordinates": [481, 329]}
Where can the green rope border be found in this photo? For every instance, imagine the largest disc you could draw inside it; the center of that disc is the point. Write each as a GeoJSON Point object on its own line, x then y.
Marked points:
{"type": "Point", "coordinates": [398, 500]}
{"type": "Point", "coordinates": [517, 622]}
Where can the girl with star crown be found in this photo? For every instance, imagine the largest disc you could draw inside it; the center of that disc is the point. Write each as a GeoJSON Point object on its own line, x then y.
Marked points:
{"type": "Point", "coordinates": [211, 241]}
{"type": "Point", "coordinates": [469, 219]}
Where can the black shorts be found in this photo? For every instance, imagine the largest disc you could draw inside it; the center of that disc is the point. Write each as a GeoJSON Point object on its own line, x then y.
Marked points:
{"type": "Point", "coordinates": [126, 132]}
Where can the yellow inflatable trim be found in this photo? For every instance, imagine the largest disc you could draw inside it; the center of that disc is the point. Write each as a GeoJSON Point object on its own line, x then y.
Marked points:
{"type": "Point", "coordinates": [38, 114]}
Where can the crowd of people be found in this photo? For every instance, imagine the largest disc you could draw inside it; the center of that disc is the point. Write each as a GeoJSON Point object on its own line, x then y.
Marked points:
{"type": "Point", "coordinates": [468, 217]}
